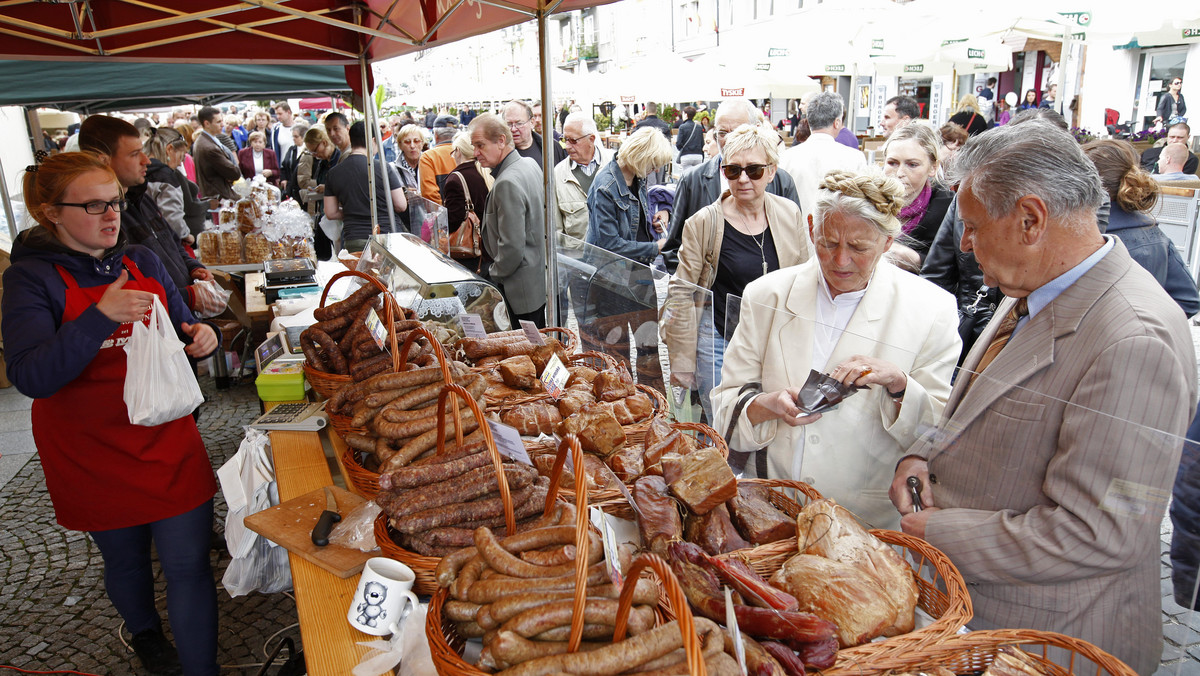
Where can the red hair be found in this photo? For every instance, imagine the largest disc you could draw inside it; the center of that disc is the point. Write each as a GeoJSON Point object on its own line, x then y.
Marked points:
{"type": "Point", "coordinates": [46, 183]}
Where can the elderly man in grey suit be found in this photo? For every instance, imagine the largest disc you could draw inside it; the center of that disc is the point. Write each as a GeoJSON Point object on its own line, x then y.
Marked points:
{"type": "Point", "coordinates": [514, 237]}
{"type": "Point", "coordinates": [1059, 443]}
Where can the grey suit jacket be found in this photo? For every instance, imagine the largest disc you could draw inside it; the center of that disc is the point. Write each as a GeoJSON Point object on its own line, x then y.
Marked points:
{"type": "Point", "coordinates": [1054, 468]}
{"type": "Point", "coordinates": [215, 172]}
{"type": "Point", "coordinates": [514, 234]}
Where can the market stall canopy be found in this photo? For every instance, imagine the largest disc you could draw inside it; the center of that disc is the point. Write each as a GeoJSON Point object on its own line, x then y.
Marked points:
{"type": "Point", "coordinates": [101, 87]}
{"type": "Point", "coordinates": [264, 31]}
{"type": "Point", "coordinates": [323, 103]}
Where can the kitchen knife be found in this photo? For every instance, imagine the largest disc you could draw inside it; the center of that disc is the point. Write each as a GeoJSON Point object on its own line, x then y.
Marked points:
{"type": "Point", "coordinates": [320, 533]}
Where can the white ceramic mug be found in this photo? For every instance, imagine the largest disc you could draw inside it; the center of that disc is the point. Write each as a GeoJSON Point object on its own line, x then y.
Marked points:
{"type": "Point", "coordinates": [384, 590]}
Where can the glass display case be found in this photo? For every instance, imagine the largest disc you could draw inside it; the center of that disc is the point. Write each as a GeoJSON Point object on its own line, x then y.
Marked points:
{"type": "Point", "coordinates": [431, 283]}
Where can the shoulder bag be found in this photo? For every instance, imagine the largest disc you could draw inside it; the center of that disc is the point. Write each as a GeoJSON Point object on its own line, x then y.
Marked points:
{"type": "Point", "coordinates": [739, 459]}
{"type": "Point", "coordinates": [465, 241]}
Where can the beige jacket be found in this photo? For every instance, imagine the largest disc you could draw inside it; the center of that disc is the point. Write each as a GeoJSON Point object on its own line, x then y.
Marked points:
{"type": "Point", "coordinates": [699, 254]}
{"type": "Point", "coordinates": [571, 216]}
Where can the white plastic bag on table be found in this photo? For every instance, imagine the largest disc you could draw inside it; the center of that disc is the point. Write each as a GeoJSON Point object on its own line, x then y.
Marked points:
{"type": "Point", "coordinates": [211, 299]}
{"type": "Point", "coordinates": [408, 646]}
{"type": "Point", "coordinates": [159, 384]}
{"type": "Point", "coordinates": [248, 483]}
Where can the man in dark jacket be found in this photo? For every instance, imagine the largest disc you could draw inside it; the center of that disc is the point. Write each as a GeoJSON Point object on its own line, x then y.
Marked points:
{"type": "Point", "coordinates": [119, 143]}
{"type": "Point", "coordinates": [1178, 133]}
{"type": "Point", "coordinates": [528, 143]}
{"type": "Point", "coordinates": [653, 120]}
{"type": "Point", "coordinates": [703, 184]}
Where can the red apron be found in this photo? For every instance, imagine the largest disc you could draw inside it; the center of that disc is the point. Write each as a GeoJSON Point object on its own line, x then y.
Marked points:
{"type": "Point", "coordinates": [102, 471]}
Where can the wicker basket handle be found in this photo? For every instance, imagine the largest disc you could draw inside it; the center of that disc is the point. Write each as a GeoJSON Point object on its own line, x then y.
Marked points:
{"type": "Point", "coordinates": [400, 356]}
{"type": "Point", "coordinates": [679, 605]}
{"type": "Point", "coordinates": [370, 279]}
{"type": "Point", "coordinates": [570, 444]}
{"type": "Point", "coordinates": [450, 390]}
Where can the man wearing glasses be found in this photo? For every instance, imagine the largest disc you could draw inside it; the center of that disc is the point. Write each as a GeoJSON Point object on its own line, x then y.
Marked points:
{"type": "Point", "coordinates": [702, 185]}
{"type": "Point", "coordinates": [572, 180]}
{"type": "Point", "coordinates": [519, 117]}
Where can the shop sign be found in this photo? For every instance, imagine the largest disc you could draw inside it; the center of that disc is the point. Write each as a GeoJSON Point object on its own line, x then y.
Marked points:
{"type": "Point", "coordinates": [877, 44]}
{"type": "Point", "coordinates": [733, 91]}
{"type": "Point", "coordinates": [762, 66]}
{"type": "Point", "coordinates": [837, 68]}
{"type": "Point", "coordinates": [628, 99]}
{"type": "Point", "coordinates": [976, 53]}
{"type": "Point", "coordinates": [777, 52]}
{"type": "Point", "coordinates": [1080, 18]}
{"type": "Point", "coordinates": [1191, 33]}
{"type": "Point", "coordinates": [947, 43]}
{"type": "Point", "coordinates": [917, 68]}
{"type": "Point", "coordinates": [982, 66]}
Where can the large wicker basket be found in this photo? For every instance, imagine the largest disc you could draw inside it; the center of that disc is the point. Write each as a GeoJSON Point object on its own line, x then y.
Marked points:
{"type": "Point", "coordinates": [1056, 655]}
{"type": "Point", "coordinates": [326, 384]}
{"type": "Point", "coordinates": [424, 566]}
{"type": "Point", "coordinates": [447, 646]}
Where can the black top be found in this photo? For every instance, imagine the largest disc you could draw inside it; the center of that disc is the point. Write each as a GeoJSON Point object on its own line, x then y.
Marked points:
{"type": "Point", "coordinates": [739, 264]}
{"type": "Point", "coordinates": [454, 198]}
{"type": "Point", "coordinates": [974, 123]}
{"type": "Point", "coordinates": [690, 140]}
{"type": "Point", "coordinates": [534, 151]}
{"type": "Point", "coordinates": [348, 182]}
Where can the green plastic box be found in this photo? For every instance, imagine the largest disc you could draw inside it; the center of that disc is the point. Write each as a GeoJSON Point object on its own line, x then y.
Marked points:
{"type": "Point", "coordinates": [282, 381]}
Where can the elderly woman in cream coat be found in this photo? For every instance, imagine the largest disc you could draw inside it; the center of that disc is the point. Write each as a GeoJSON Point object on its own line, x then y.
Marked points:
{"type": "Point", "coordinates": [745, 234]}
{"type": "Point", "coordinates": [861, 320]}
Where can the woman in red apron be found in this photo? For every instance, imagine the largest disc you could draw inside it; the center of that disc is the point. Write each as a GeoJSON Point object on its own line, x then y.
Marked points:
{"type": "Point", "coordinates": [70, 299]}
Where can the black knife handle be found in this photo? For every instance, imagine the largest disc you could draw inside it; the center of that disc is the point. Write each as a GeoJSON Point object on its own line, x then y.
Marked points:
{"type": "Point", "coordinates": [320, 533]}
{"type": "Point", "coordinates": [914, 490]}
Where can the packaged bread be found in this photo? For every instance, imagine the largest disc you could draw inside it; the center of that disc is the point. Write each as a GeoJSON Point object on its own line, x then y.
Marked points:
{"type": "Point", "coordinates": [227, 216]}
{"type": "Point", "coordinates": [231, 247]}
{"type": "Point", "coordinates": [248, 213]}
{"type": "Point", "coordinates": [302, 247]}
{"type": "Point", "coordinates": [209, 243]}
{"type": "Point", "coordinates": [257, 248]}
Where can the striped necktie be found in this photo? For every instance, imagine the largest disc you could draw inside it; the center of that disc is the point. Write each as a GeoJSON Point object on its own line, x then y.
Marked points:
{"type": "Point", "coordinates": [1007, 326]}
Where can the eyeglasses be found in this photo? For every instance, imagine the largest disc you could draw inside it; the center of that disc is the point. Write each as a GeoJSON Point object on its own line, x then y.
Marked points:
{"type": "Point", "coordinates": [753, 171]}
{"type": "Point", "coordinates": [517, 125]}
{"type": "Point", "coordinates": [572, 141]}
{"type": "Point", "coordinates": [722, 133]}
{"type": "Point", "coordinates": [98, 207]}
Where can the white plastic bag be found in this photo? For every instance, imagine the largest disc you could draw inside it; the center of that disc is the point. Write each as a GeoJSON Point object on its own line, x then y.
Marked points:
{"type": "Point", "coordinates": [248, 482]}
{"type": "Point", "coordinates": [159, 384]}
{"type": "Point", "coordinates": [210, 298]}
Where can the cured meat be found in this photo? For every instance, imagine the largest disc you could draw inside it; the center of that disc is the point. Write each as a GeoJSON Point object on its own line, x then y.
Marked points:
{"type": "Point", "coordinates": [840, 592]}
{"type": "Point", "coordinates": [627, 463]}
{"type": "Point", "coordinates": [519, 372]}
{"type": "Point", "coordinates": [756, 518]}
{"type": "Point", "coordinates": [714, 532]}
{"type": "Point", "coordinates": [704, 481]}
{"type": "Point", "coordinates": [613, 384]}
{"type": "Point", "coordinates": [597, 429]}
{"type": "Point", "coordinates": [633, 409]}
{"type": "Point", "coordinates": [658, 514]}
{"type": "Point", "coordinates": [532, 419]}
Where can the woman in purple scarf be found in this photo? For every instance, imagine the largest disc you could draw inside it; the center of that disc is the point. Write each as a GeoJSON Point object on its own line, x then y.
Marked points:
{"type": "Point", "coordinates": [911, 155]}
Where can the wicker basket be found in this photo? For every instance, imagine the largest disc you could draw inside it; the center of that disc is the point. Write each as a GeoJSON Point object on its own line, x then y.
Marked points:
{"type": "Point", "coordinates": [424, 566]}
{"type": "Point", "coordinates": [326, 384]}
{"type": "Point", "coordinates": [563, 335]}
{"type": "Point", "coordinates": [365, 482]}
{"type": "Point", "coordinates": [446, 645]}
{"type": "Point", "coordinates": [1056, 654]}
{"type": "Point", "coordinates": [597, 360]}
{"type": "Point", "coordinates": [942, 593]}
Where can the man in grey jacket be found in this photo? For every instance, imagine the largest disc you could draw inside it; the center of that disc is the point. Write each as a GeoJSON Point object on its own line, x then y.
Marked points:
{"type": "Point", "coordinates": [703, 184]}
{"type": "Point", "coordinates": [513, 232]}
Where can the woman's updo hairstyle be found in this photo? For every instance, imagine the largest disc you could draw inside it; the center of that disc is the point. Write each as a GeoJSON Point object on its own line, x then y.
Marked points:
{"type": "Point", "coordinates": [1127, 184]}
{"type": "Point", "coordinates": [868, 195]}
{"type": "Point", "coordinates": [47, 182]}
{"type": "Point", "coordinates": [161, 139]}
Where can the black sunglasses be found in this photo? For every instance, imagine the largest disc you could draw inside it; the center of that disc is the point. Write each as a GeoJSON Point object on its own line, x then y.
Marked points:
{"type": "Point", "coordinates": [97, 207]}
{"type": "Point", "coordinates": [754, 171]}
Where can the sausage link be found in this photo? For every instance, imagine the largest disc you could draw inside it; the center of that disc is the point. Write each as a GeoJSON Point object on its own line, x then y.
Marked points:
{"type": "Point", "coordinates": [329, 350]}
{"type": "Point", "coordinates": [428, 440]}
{"type": "Point", "coordinates": [509, 644]}
{"type": "Point", "coordinates": [550, 557]}
{"type": "Point", "coordinates": [505, 563]}
{"type": "Point", "coordinates": [600, 632]}
{"type": "Point", "coordinates": [477, 483]}
{"type": "Point", "coordinates": [535, 621]}
{"type": "Point", "coordinates": [502, 610]}
{"type": "Point", "coordinates": [453, 514]}
{"type": "Point", "coordinates": [611, 659]}
{"type": "Point", "coordinates": [357, 327]}
{"type": "Point", "coordinates": [360, 442]}
{"type": "Point", "coordinates": [412, 477]}
{"type": "Point", "coordinates": [460, 611]}
{"type": "Point", "coordinates": [469, 630]}
{"type": "Point", "coordinates": [334, 327]}
{"type": "Point", "coordinates": [467, 577]}
{"type": "Point", "coordinates": [414, 428]}
{"type": "Point", "coordinates": [348, 305]}
{"type": "Point", "coordinates": [373, 370]}
{"type": "Point", "coordinates": [475, 387]}
{"type": "Point", "coordinates": [364, 415]}
{"type": "Point", "coordinates": [488, 591]}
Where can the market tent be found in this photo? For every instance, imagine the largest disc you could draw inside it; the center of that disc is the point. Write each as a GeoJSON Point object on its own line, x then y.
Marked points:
{"type": "Point", "coordinates": [323, 103]}
{"type": "Point", "coordinates": [101, 87]}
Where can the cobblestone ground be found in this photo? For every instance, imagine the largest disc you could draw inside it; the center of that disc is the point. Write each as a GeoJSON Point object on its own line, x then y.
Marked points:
{"type": "Point", "coordinates": [53, 610]}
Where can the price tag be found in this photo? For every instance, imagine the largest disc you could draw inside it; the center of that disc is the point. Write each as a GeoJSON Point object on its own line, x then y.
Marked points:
{"type": "Point", "coordinates": [508, 442]}
{"type": "Point", "coordinates": [609, 537]}
{"type": "Point", "coordinates": [377, 329]}
{"type": "Point", "coordinates": [532, 333]}
{"type": "Point", "coordinates": [555, 376]}
{"type": "Point", "coordinates": [472, 326]}
{"type": "Point", "coordinates": [739, 647]}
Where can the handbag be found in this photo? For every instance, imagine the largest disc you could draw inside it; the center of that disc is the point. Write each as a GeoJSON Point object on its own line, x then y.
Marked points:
{"type": "Point", "coordinates": [465, 241]}
{"type": "Point", "coordinates": [159, 384]}
{"type": "Point", "coordinates": [739, 459]}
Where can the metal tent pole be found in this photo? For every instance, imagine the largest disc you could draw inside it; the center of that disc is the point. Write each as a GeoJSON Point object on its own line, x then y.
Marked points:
{"type": "Point", "coordinates": [548, 167]}
{"type": "Point", "coordinates": [8, 210]}
{"type": "Point", "coordinates": [373, 124]}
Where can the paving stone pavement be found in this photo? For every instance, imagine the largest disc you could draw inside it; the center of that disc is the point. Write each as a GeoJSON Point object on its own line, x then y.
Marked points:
{"type": "Point", "coordinates": [54, 613]}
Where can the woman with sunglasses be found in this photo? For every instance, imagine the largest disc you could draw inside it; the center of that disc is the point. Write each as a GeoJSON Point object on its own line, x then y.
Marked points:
{"type": "Point", "coordinates": [856, 317]}
{"type": "Point", "coordinates": [745, 234]}
{"type": "Point", "coordinates": [1171, 108]}
{"type": "Point", "coordinates": [70, 299]}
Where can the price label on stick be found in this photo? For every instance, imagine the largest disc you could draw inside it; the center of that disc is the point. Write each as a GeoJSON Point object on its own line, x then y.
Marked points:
{"type": "Point", "coordinates": [532, 333]}
{"type": "Point", "coordinates": [508, 442]}
{"type": "Point", "coordinates": [377, 329]}
{"type": "Point", "coordinates": [739, 647]}
{"type": "Point", "coordinates": [555, 376]}
{"type": "Point", "coordinates": [608, 536]}
{"type": "Point", "coordinates": [472, 326]}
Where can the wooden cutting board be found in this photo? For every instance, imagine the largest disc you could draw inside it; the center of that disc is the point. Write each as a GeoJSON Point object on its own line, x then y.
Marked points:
{"type": "Point", "coordinates": [290, 526]}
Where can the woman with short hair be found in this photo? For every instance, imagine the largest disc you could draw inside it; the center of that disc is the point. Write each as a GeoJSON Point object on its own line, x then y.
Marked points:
{"type": "Point", "coordinates": [256, 159]}
{"type": "Point", "coordinates": [410, 141]}
{"type": "Point", "coordinates": [745, 234]}
{"type": "Point", "coordinates": [848, 313]}
{"type": "Point", "coordinates": [170, 190]}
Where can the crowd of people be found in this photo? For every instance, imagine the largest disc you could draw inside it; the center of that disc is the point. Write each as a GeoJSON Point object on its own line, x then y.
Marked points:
{"type": "Point", "coordinates": [994, 290]}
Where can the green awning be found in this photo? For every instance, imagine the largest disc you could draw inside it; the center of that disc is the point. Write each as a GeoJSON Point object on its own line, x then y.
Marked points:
{"type": "Point", "coordinates": [93, 87]}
